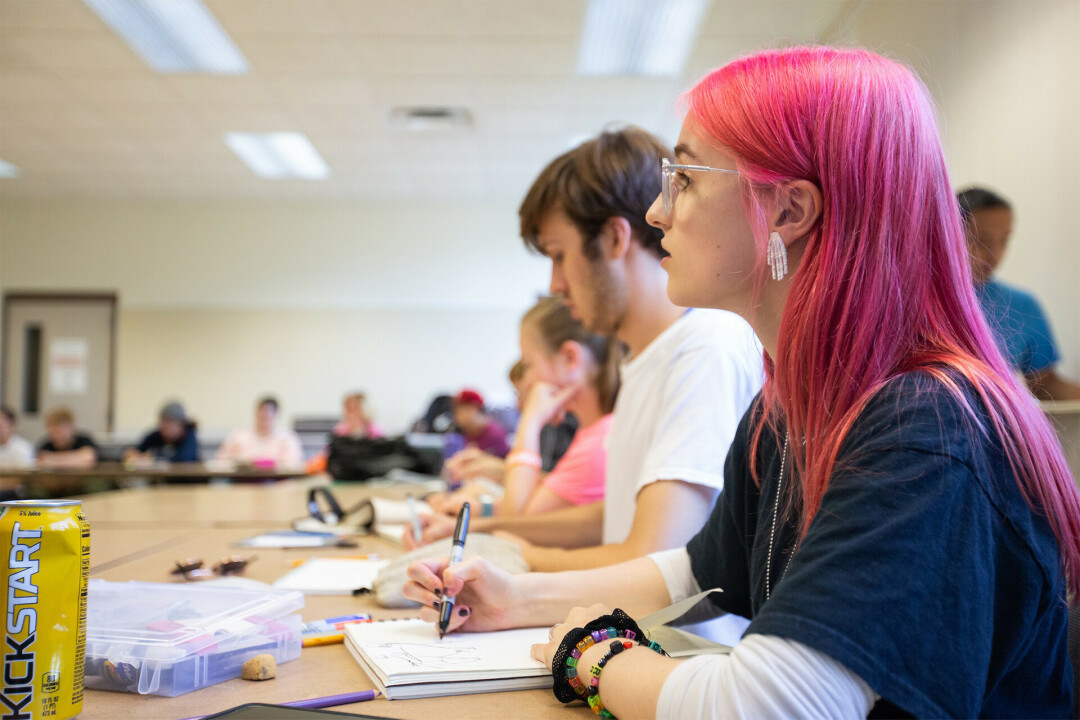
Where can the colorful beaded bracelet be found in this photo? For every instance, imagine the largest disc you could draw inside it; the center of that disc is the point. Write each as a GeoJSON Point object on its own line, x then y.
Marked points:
{"type": "Point", "coordinates": [567, 686]}
{"type": "Point", "coordinates": [593, 693]}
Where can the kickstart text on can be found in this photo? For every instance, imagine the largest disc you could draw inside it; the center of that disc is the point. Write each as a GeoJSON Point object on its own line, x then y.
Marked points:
{"type": "Point", "coordinates": [46, 549]}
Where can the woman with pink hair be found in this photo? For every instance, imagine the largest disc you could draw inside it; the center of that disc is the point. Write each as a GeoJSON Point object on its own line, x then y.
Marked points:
{"type": "Point", "coordinates": [898, 521]}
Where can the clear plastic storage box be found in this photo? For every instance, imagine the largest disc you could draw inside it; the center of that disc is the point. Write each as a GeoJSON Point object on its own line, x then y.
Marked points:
{"type": "Point", "coordinates": [169, 639]}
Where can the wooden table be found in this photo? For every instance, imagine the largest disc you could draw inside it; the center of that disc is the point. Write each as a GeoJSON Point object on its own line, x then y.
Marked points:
{"type": "Point", "coordinates": [138, 534]}
{"type": "Point", "coordinates": [74, 480]}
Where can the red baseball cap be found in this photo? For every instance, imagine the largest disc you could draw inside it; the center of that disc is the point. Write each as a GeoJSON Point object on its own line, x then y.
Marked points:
{"type": "Point", "coordinates": [469, 397]}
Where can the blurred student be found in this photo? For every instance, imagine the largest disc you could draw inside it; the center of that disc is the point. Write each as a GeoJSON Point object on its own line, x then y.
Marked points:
{"type": "Point", "coordinates": [567, 369]}
{"type": "Point", "coordinates": [471, 463]}
{"type": "Point", "coordinates": [1018, 321]}
{"type": "Point", "coordinates": [476, 426]}
{"type": "Point", "coordinates": [267, 442]}
{"type": "Point", "coordinates": [15, 452]}
{"type": "Point", "coordinates": [175, 440]}
{"type": "Point", "coordinates": [356, 420]}
{"type": "Point", "coordinates": [63, 446]}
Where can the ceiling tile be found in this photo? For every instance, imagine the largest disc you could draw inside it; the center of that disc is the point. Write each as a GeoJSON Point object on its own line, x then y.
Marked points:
{"type": "Point", "coordinates": [119, 88]}
{"type": "Point", "coordinates": [18, 87]}
{"type": "Point", "coordinates": [85, 50]}
{"type": "Point", "coordinates": [298, 54]}
{"type": "Point", "coordinates": [409, 92]}
{"type": "Point", "coordinates": [321, 89]}
{"type": "Point", "coordinates": [241, 18]}
{"type": "Point", "coordinates": [521, 59]}
{"type": "Point", "coordinates": [221, 89]}
{"type": "Point", "coordinates": [523, 18]}
{"type": "Point", "coordinates": [401, 56]}
{"type": "Point", "coordinates": [247, 118]}
{"type": "Point", "coordinates": [49, 15]}
{"type": "Point", "coordinates": [410, 18]}
{"type": "Point", "coordinates": [71, 115]}
{"type": "Point", "coordinates": [773, 21]}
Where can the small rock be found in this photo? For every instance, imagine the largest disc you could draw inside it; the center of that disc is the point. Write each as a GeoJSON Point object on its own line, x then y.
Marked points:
{"type": "Point", "coordinates": [260, 667]}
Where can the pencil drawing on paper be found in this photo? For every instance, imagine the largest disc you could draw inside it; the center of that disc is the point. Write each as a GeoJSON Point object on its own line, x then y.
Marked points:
{"type": "Point", "coordinates": [425, 656]}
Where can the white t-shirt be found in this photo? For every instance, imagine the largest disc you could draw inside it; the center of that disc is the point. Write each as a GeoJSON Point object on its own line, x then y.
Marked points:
{"type": "Point", "coordinates": [17, 452]}
{"type": "Point", "coordinates": [679, 404]}
{"type": "Point", "coordinates": [244, 445]}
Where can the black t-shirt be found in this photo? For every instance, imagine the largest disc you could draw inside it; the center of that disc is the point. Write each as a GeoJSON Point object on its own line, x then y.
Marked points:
{"type": "Point", "coordinates": [924, 572]}
{"type": "Point", "coordinates": [78, 443]}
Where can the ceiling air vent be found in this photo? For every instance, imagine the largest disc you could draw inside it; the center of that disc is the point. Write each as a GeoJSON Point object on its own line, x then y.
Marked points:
{"type": "Point", "coordinates": [430, 118]}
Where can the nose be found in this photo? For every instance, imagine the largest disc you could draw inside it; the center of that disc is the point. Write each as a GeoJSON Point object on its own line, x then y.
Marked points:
{"type": "Point", "coordinates": [558, 283]}
{"type": "Point", "coordinates": [656, 215]}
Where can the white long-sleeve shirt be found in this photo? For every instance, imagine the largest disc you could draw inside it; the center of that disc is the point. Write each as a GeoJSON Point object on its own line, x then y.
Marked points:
{"type": "Point", "coordinates": [763, 676]}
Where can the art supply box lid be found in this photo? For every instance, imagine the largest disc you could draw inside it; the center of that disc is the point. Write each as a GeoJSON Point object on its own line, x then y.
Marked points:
{"type": "Point", "coordinates": [170, 638]}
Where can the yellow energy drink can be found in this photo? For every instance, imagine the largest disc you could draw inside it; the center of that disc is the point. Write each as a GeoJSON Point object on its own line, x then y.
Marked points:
{"type": "Point", "coordinates": [45, 568]}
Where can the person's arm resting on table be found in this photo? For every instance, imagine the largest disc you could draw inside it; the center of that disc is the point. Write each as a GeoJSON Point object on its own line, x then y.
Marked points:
{"type": "Point", "coordinates": [668, 514]}
{"type": "Point", "coordinates": [577, 526]}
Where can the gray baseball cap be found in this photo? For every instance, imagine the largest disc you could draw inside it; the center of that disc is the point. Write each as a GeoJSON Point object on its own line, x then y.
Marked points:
{"type": "Point", "coordinates": [174, 411]}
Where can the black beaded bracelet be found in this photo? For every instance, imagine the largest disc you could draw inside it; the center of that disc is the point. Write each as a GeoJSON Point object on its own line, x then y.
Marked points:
{"type": "Point", "coordinates": [617, 624]}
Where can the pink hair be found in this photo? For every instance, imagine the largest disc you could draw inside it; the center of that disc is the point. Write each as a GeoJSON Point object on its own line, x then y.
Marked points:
{"type": "Point", "coordinates": [883, 286]}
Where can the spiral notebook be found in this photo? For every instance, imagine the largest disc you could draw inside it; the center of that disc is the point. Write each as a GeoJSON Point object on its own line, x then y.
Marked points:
{"type": "Point", "coordinates": [406, 659]}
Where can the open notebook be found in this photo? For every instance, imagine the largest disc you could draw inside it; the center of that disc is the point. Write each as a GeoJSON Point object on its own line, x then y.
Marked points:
{"type": "Point", "coordinates": [406, 659]}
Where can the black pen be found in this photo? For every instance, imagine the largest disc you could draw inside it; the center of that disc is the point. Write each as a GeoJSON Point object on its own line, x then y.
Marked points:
{"type": "Point", "coordinates": [456, 552]}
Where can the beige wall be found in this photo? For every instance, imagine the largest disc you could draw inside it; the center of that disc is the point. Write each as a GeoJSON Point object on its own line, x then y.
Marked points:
{"type": "Point", "coordinates": [221, 302]}
{"type": "Point", "coordinates": [1004, 76]}
{"type": "Point", "coordinates": [219, 360]}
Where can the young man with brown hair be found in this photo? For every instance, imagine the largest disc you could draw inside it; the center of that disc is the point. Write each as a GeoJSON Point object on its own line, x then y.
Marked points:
{"type": "Point", "coordinates": [690, 377]}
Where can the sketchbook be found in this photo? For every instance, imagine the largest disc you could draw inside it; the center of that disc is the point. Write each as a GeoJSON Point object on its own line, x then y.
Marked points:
{"type": "Point", "coordinates": [406, 659]}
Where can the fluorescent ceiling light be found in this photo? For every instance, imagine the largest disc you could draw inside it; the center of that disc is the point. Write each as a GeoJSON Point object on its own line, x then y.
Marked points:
{"type": "Point", "coordinates": [639, 37]}
{"type": "Point", "coordinates": [172, 36]}
{"type": "Point", "coordinates": [7, 170]}
{"type": "Point", "coordinates": [278, 155]}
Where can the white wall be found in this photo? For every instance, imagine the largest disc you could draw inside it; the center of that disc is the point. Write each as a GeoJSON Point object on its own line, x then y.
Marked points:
{"type": "Point", "coordinates": [1004, 76]}
{"type": "Point", "coordinates": [222, 302]}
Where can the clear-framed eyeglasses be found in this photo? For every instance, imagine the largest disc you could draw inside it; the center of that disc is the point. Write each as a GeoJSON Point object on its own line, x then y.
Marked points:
{"type": "Point", "coordinates": [669, 184]}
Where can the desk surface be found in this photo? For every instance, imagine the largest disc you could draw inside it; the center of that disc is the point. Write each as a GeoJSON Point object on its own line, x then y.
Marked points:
{"type": "Point", "coordinates": [203, 522]}
{"type": "Point", "coordinates": [163, 470]}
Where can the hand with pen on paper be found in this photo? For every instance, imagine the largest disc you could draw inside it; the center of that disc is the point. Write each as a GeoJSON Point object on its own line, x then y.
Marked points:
{"type": "Point", "coordinates": [486, 597]}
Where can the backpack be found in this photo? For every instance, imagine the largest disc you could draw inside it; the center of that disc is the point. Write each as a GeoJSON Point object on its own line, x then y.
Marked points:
{"type": "Point", "coordinates": [363, 458]}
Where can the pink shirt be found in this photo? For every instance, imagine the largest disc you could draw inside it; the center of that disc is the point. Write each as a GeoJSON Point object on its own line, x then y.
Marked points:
{"type": "Point", "coordinates": [373, 430]}
{"type": "Point", "coordinates": [245, 445]}
{"type": "Point", "coordinates": [578, 477]}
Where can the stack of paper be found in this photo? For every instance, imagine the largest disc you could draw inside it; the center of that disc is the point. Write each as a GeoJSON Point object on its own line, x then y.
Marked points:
{"type": "Point", "coordinates": [406, 659]}
{"type": "Point", "coordinates": [332, 576]}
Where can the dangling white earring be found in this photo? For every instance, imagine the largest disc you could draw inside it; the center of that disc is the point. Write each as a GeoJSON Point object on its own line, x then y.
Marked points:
{"type": "Point", "coordinates": [776, 256]}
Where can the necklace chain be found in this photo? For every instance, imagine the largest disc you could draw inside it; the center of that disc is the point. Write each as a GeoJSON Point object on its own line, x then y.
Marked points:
{"type": "Point", "coordinates": [772, 532]}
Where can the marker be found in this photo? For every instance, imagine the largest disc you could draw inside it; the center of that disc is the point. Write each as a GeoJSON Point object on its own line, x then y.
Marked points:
{"type": "Point", "coordinates": [370, 556]}
{"type": "Point", "coordinates": [456, 551]}
{"type": "Point", "coordinates": [417, 531]}
{"type": "Point", "coordinates": [321, 702]}
{"type": "Point", "coordinates": [330, 630]}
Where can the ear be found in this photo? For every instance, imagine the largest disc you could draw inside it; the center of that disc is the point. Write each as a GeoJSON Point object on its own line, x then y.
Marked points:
{"type": "Point", "coordinates": [572, 358]}
{"type": "Point", "coordinates": [798, 210]}
{"type": "Point", "coordinates": [615, 238]}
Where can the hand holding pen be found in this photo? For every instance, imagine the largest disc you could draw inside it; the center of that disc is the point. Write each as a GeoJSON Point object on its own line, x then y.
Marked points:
{"type": "Point", "coordinates": [457, 551]}
{"type": "Point", "coordinates": [486, 597]}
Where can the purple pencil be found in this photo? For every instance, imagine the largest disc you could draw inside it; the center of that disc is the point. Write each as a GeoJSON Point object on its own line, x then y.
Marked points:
{"type": "Point", "coordinates": [321, 702]}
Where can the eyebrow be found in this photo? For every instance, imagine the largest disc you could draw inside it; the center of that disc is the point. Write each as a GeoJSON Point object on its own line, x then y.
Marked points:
{"type": "Point", "coordinates": [682, 150]}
